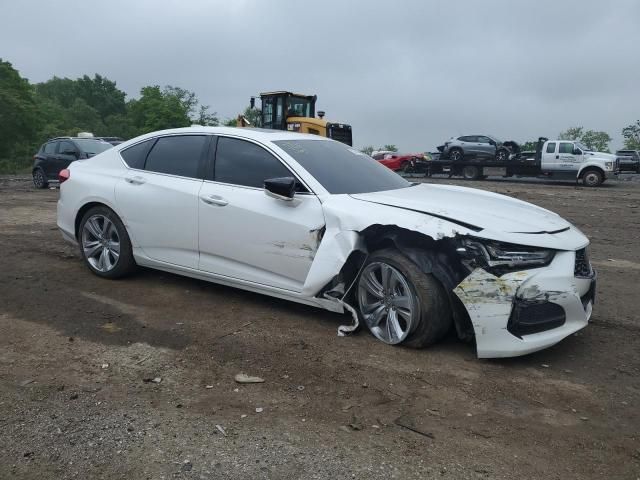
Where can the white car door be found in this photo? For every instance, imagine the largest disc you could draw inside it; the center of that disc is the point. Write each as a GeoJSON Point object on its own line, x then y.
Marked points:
{"type": "Point", "coordinates": [568, 160]}
{"type": "Point", "coordinates": [158, 197]}
{"type": "Point", "coordinates": [247, 235]}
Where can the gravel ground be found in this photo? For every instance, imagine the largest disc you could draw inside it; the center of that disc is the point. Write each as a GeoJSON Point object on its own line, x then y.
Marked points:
{"type": "Point", "coordinates": [79, 356]}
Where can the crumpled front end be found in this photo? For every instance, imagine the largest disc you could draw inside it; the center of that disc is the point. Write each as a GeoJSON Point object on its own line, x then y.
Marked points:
{"type": "Point", "coordinates": [526, 311]}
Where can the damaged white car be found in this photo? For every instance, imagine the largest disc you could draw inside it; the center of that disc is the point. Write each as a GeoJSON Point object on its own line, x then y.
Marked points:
{"type": "Point", "coordinates": [311, 220]}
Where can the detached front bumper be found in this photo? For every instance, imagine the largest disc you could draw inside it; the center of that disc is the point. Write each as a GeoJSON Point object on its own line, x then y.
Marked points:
{"type": "Point", "coordinates": [523, 312]}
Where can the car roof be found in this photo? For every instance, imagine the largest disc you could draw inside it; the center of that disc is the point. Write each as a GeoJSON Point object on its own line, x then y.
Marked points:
{"type": "Point", "coordinates": [259, 134]}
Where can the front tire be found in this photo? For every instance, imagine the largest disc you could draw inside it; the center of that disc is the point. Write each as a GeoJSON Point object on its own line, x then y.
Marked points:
{"type": "Point", "coordinates": [502, 155]}
{"type": "Point", "coordinates": [104, 244]}
{"type": "Point", "coordinates": [401, 304]}
{"type": "Point", "coordinates": [592, 178]}
{"type": "Point", "coordinates": [39, 179]}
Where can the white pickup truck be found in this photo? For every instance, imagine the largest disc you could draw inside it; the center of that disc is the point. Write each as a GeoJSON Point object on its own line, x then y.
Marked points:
{"type": "Point", "coordinates": [558, 159]}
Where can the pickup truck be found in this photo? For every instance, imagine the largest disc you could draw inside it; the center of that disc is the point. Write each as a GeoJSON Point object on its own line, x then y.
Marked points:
{"type": "Point", "coordinates": [629, 161]}
{"type": "Point", "coordinates": [557, 159]}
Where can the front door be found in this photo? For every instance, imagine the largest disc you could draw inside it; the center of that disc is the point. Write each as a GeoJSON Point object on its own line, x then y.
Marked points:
{"type": "Point", "coordinates": [247, 235]}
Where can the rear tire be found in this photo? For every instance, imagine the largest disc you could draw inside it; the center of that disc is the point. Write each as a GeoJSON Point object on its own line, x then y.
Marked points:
{"type": "Point", "coordinates": [40, 179]}
{"type": "Point", "coordinates": [471, 172]}
{"type": "Point", "coordinates": [416, 300]}
{"type": "Point", "coordinates": [456, 155]}
{"type": "Point", "coordinates": [592, 178]}
{"type": "Point", "coordinates": [104, 244]}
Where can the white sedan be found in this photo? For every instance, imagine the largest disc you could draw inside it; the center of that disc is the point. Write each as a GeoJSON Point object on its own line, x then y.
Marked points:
{"type": "Point", "coordinates": [314, 221]}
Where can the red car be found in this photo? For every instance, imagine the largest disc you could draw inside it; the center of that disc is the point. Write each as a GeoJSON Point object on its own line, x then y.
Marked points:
{"type": "Point", "coordinates": [397, 161]}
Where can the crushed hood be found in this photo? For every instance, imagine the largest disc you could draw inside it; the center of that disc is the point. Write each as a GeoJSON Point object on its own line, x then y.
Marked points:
{"type": "Point", "coordinates": [472, 207]}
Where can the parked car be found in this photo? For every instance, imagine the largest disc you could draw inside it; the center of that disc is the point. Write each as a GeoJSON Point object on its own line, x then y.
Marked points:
{"type": "Point", "coordinates": [629, 161]}
{"type": "Point", "coordinates": [112, 140]}
{"type": "Point", "coordinates": [311, 220]}
{"type": "Point", "coordinates": [398, 161]}
{"type": "Point", "coordinates": [477, 146]}
{"type": "Point", "coordinates": [58, 153]}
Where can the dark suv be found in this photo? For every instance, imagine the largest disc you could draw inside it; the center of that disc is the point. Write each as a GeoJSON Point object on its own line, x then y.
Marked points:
{"type": "Point", "coordinates": [57, 154]}
{"type": "Point", "coordinates": [629, 160]}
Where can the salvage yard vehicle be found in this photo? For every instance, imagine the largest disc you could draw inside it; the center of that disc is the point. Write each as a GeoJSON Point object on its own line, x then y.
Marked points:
{"type": "Point", "coordinates": [311, 220]}
{"type": "Point", "coordinates": [554, 159]}
{"type": "Point", "coordinates": [56, 155]}
{"type": "Point", "coordinates": [408, 162]}
{"type": "Point", "coordinates": [479, 147]}
{"type": "Point", "coordinates": [629, 161]}
{"type": "Point", "coordinates": [296, 112]}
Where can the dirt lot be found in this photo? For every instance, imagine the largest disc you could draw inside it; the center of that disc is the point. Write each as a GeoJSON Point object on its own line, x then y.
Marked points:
{"type": "Point", "coordinates": [77, 354]}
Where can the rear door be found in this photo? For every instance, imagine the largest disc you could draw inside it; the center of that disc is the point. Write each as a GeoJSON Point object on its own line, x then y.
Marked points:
{"type": "Point", "coordinates": [158, 196]}
{"type": "Point", "coordinates": [468, 144]}
{"type": "Point", "coordinates": [48, 157]}
{"type": "Point", "coordinates": [247, 235]}
{"type": "Point", "coordinates": [550, 156]}
{"type": "Point", "coordinates": [67, 152]}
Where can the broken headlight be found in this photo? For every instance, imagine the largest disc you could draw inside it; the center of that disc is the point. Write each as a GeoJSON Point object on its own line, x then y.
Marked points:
{"type": "Point", "coordinates": [500, 257]}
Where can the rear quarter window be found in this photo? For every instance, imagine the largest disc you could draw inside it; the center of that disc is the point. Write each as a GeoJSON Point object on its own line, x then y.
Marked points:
{"type": "Point", "coordinates": [136, 155]}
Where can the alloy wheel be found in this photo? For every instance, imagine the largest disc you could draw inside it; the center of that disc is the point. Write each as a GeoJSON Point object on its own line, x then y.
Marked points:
{"type": "Point", "coordinates": [387, 304]}
{"type": "Point", "coordinates": [101, 243]}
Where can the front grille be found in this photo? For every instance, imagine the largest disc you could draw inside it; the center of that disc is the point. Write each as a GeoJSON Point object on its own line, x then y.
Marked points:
{"type": "Point", "coordinates": [582, 267]}
{"type": "Point", "coordinates": [340, 132]}
{"type": "Point", "coordinates": [527, 318]}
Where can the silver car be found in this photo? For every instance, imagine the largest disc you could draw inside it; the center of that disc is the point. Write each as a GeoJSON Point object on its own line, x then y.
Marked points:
{"type": "Point", "coordinates": [475, 146]}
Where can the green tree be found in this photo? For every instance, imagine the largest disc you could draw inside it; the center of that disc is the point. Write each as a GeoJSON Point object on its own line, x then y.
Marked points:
{"type": "Point", "coordinates": [595, 140]}
{"type": "Point", "coordinates": [391, 148]}
{"type": "Point", "coordinates": [158, 109]}
{"type": "Point", "coordinates": [529, 146]}
{"type": "Point", "coordinates": [205, 118]}
{"type": "Point", "coordinates": [631, 134]}
{"type": "Point", "coordinates": [573, 133]}
{"type": "Point", "coordinates": [368, 150]}
{"type": "Point", "coordinates": [19, 119]}
{"type": "Point", "coordinates": [101, 94]}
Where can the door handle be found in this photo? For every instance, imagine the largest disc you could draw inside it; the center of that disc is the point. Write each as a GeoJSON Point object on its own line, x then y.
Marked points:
{"type": "Point", "coordinates": [214, 200]}
{"type": "Point", "coordinates": [137, 180]}
{"type": "Point", "coordinates": [557, 156]}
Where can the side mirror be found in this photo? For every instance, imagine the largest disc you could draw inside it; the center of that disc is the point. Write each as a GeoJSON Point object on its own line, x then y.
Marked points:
{"type": "Point", "coordinates": [491, 142]}
{"type": "Point", "coordinates": [283, 188]}
{"type": "Point", "coordinates": [577, 151]}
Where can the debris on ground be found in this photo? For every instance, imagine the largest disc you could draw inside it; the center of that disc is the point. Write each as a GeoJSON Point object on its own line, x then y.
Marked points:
{"type": "Point", "coordinates": [221, 430]}
{"type": "Point", "coordinates": [244, 378]}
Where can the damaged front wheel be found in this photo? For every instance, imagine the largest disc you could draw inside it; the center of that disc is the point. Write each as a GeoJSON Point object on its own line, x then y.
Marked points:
{"type": "Point", "coordinates": [401, 304]}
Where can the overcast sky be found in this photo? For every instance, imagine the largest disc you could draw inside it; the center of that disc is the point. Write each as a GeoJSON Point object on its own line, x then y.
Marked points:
{"type": "Point", "coordinates": [412, 73]}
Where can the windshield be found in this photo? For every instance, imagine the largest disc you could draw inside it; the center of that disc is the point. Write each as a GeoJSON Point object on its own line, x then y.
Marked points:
{"type": "Point", "coordinates": [583, 147]}
{"type": "Point", "coordinates": [92, 146]}
{"type": "Point", "coordinates": [340, 168]}
{"type": "Point", "coordinates": [299, 107]}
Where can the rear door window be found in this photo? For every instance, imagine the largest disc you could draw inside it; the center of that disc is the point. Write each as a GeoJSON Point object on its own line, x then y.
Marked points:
{"type": "Point", "coordinates": [239, 162]}
{"type": "Point", "coordinates": [551, 147]}
{"type": "Point", "coordinates": [179, 155]}
{"type": "Point", "coordinates": [50, 148]}
{"type": "Point", "coordinates": [67, 148]}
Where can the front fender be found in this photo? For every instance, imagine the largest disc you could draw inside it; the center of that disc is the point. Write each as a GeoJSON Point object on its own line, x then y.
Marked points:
{"type": "Point", "coordinates": [593, 164]}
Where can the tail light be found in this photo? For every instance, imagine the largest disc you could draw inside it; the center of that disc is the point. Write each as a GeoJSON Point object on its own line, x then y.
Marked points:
{"type": "Point", "coordinates": [64, 175]}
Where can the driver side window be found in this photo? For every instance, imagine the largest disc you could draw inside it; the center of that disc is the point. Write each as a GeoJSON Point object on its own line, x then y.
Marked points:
{"type": "Point", "coordinates": [566, 147]}
{"type": "Point", "coordinates": [239, 162]}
